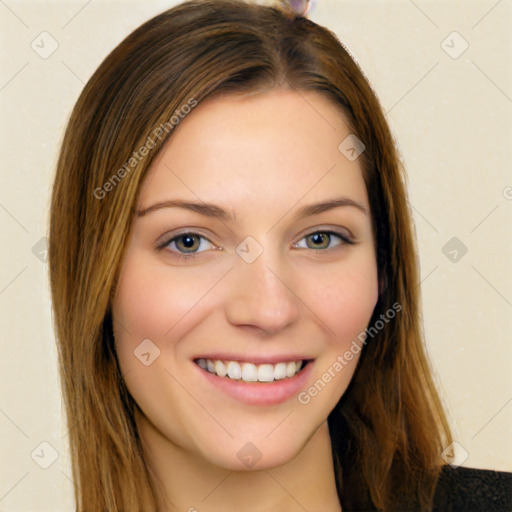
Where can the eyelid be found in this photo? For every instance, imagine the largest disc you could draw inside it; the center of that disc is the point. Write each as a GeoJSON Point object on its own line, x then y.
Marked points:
{"type": "Point", "coordinates": [167, 239]}
{"type": "Point", "coordinates": [344, 239]}
{"type": "Point", "coordinates": [340, 231]}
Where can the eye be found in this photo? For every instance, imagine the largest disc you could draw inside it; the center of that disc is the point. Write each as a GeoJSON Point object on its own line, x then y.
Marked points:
{"type": "Point", "coordinates": [186, 245]}
{"type": "Point", "coordinates": [323, 239]}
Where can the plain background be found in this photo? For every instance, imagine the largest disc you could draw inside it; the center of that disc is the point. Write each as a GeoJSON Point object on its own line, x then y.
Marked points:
{"type": "Point", "coordinates": [450, 111]}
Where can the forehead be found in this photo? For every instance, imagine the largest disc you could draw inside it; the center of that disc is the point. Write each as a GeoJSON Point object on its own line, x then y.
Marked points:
{"type": "Point", "coordinates": [256, 150]}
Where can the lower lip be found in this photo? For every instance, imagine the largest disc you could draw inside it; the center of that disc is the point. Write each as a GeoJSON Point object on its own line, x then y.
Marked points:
{"type": "Point", "coordinates": [260, 393]}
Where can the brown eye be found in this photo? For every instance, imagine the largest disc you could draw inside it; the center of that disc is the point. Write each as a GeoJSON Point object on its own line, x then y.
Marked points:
{"type": "Point", "coordinates": [324, 240]}
{"type": "Point", "coordinates": [189, 243]}
{"type": "Point", "coordinates": [319, 240]}
{"type": "Point", "coordinates": [186, 245]}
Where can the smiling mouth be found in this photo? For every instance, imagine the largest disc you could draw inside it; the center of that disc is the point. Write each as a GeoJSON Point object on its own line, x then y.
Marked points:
{"type": "Point", "coordinates": [250, 372]}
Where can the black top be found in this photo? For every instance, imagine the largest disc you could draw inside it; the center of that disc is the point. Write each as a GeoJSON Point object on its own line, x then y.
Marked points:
{"type": "Point", "coordinates": [473, 490]}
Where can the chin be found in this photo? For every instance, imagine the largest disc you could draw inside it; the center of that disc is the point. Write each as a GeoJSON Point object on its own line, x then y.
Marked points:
{"type": "Point", "coordinates": [253, 456]}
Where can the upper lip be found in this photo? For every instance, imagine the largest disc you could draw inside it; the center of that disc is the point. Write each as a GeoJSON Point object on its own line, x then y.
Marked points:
{"type": "Point", "coordinates": [245, 358]}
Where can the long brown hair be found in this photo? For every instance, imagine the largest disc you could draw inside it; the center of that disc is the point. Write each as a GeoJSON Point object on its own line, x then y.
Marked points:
{"type": "Point", "coordinates": [389, 428]}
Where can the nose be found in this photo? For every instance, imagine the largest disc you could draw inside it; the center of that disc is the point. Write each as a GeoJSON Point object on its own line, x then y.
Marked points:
{"type": "Point", "coordinates": [262, 294]}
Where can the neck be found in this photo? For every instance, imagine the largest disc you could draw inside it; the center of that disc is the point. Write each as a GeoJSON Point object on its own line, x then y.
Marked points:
{"type": "Point", "coordinates": [184, 481]}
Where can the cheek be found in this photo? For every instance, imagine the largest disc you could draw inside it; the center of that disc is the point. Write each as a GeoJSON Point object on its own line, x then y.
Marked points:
{"type": "Point", "coordinates": [347, 297]}
{"type": "Point", "coordinates": [148, 304]}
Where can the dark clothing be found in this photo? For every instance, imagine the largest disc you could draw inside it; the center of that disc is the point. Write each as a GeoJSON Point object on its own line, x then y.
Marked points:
{"type": "Point", "coordinates": [473, 490]}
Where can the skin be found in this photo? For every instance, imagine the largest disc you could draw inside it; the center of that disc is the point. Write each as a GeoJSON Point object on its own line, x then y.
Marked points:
{"type": "Point", "coordinates": [263, 156]}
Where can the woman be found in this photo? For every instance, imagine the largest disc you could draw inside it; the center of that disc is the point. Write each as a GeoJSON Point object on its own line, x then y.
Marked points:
{"type": "Point", "coordinates": [235, 280]}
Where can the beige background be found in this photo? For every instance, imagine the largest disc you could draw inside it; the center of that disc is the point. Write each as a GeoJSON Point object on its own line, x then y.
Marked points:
{"type": "Point", "coordinates": [452, 121]}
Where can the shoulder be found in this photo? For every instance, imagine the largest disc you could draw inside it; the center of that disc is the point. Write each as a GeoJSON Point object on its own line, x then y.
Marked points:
{"type": "Point", "coordinates": [473, 490]}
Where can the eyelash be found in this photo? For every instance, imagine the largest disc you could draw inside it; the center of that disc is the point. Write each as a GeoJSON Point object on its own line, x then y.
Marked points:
{"type": "Point", "coordinates": [344, 240]}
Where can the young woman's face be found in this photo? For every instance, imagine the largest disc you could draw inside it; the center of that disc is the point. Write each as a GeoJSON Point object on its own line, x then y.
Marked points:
{"type": "Point", "coordinates": [266, 281]}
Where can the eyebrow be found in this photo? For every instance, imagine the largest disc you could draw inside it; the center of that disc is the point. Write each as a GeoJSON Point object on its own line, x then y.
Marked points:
{"type": "Point", "coordinates": [215, 211]}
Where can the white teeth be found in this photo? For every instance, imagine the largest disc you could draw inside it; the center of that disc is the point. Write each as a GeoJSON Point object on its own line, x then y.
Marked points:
{"type": "Point", "coordinates": [266, 372]}
{"type": "Point", "coordinates": [290, 369]}
{"type": "Point", "coordinates": [249, 372]}
{"type": "Point", "coordinates": [280, 371]}
{"type": "Point", "coordinates": [234, 370]}
{"type": "Point", "coordinates": [220, 369]}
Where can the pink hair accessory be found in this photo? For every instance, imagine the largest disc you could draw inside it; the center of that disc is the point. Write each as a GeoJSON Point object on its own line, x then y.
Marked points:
{"type": "Point", "coordinates": [299, 7]}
